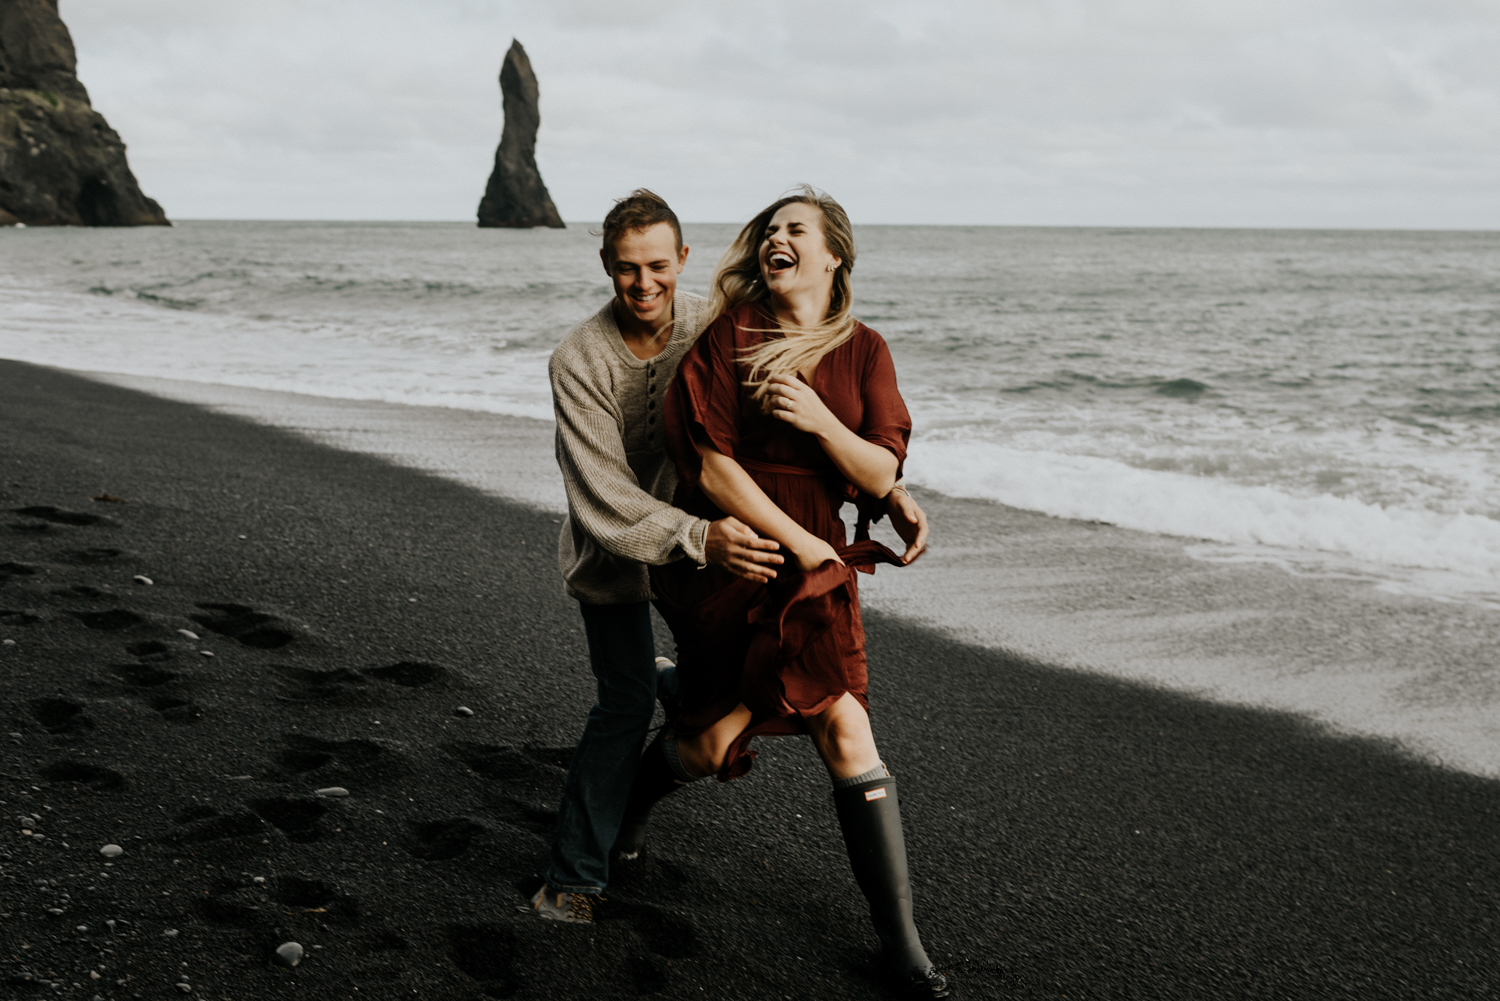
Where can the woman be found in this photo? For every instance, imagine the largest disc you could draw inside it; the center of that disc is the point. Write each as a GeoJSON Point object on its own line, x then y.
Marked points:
{"type": "Point", "coordinates": [784, 409]}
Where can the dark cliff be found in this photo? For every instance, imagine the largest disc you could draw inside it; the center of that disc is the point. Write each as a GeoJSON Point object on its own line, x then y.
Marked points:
{"type": "Point", "coordinates": [516, 195]}
{"type": "Point", "coordinates": [60, 162]}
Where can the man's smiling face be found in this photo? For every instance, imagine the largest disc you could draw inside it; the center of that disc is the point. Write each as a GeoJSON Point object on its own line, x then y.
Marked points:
{"type": "Point", "coordinates": [644, 268]}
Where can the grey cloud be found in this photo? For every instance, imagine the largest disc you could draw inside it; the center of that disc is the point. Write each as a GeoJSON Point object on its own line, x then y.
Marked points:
{"type": "Point", "coordinates": [1116, 111]}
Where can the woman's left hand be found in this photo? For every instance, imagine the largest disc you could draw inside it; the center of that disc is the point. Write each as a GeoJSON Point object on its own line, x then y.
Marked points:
{"type": "Point", "coordinates": [797, 403]}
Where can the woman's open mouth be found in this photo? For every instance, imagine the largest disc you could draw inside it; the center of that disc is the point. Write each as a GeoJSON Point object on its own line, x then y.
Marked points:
{"type": "Point", "coordinates": [779, 262]}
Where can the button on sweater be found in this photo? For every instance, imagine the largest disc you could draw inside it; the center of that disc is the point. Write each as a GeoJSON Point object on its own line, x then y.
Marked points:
{"type": "Point", "coordinates": [614, 461]}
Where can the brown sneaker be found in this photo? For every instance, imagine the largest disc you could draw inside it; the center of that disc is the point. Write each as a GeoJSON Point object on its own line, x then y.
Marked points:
{"type": "Point", "coordinates": [575, 907]}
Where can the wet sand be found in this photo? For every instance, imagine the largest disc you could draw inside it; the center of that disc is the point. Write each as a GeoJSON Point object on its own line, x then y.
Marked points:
{"type": "Point", "coordinates": [1072, 835]}
{"type": "Point", "coordinates": [1339, 650]}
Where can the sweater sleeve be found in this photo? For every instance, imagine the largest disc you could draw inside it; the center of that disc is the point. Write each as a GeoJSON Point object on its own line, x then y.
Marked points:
{"type": "Point", "coordinates": [604, 496]}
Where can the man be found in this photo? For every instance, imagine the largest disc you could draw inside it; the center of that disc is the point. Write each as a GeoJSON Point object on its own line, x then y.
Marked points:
{"type": "Point", "coordinates": [609, 376]}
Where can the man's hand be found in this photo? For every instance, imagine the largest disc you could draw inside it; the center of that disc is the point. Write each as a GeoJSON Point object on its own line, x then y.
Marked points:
{"type": "Point", "coordinates": [735, 547]}
{"type": "Point", "coordinates": [909, 521]}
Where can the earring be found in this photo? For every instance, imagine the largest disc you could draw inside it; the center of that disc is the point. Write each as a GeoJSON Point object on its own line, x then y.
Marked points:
{"type": "Point", "coordinates": [831, 267]}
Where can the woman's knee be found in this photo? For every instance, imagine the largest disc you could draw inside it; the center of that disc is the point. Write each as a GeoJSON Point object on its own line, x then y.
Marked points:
{"type": "Point", "coordinates": [706, 752]}
{"type": "Point", "coordinates": [695, 752]}
{"type": "Point", "coordinates": [843, 723]}
{"type": "Point", "coordinates": [843, 733]}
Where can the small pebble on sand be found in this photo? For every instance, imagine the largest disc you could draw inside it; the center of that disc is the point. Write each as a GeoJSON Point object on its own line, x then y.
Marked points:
{"type": "Point", "coordinates": [206, 653]}
{"type": "Point", "coordinates": [82, 928]}
{"type": "Point", "coordinates": [334, 792]}
{"type": "Point", "coordinates": [260, 879]}
{"type": "Point", "coordinates": [54, 911]}
{"type": "Point", "coordinates": [110, 924]}
{"type": "Point", "coordinates": [188, 633]}
{"type": "Point", "coordinates": [185, 988]}
{"type": "Point", "coordinates": [141, 578]}
{"type": "Point", "coordinates": [464, 711]}
{"type": "Point", "coordinates": [8, 642]}
{"type": "Point", "coordinates": [171, 933]}
{"type": "Point", "coordinates": [289, 954]}
{"type": "Point", "coordinates": [111, 851]}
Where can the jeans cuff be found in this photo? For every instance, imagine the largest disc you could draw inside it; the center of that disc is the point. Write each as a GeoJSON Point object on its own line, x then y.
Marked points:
{"type": "Point", "coordinates": [560, 887]}
{"type": "Point", "coordinates": [591, 890]}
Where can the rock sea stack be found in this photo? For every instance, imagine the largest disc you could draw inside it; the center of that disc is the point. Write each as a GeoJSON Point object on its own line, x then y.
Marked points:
{"type": "Point", "coordinates": [60, 162]}
{"type": "Point", "coordinates": [516, 196]}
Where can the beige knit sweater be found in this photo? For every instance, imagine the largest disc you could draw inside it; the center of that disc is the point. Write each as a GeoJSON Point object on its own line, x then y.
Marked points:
{"type": "Point", "coordinates": [613, 456]}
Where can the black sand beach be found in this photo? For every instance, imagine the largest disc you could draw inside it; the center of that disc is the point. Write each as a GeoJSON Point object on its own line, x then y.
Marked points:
{"type": "Point", "coordinates": [1071, 836]}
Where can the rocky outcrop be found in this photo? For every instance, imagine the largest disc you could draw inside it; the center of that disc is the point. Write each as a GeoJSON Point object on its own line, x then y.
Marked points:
{"type": "Point", "coordinates": [60, 162]}
{"type": "Point", "coordinates": [516, 195]}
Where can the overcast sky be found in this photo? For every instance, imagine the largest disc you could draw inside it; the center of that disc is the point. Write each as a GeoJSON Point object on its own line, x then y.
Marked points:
{"type": "Point", "coordinates": [1341, 113]}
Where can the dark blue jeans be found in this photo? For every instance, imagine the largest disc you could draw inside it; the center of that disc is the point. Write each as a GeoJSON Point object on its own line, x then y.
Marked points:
{"type": "Point", "coordinates": [622, 653]}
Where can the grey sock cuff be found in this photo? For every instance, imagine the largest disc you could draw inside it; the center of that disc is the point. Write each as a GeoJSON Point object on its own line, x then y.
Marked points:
{"type": "Point", "coordinates": [878, 772]}
{"type": "Point", "coordinates": [674, 761]}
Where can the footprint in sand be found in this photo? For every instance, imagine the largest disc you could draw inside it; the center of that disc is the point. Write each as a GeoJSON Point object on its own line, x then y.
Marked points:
{"type": "Point", "coordinates": [204, 823]}
{"type": "Point", "coordinates": [45, 520]}
{"type": "Point", "coordinates": [150, 651]}
{"type": "Point", "coordinates": [383, 953]}
{"type": "Point", "coordinates": [648, 973]}
{"type": "Point", "coordinates": [260, 907]}
{"type": "Point", "coordinates": [488, 954]}
{"type": "Point", "coordinates": [58, 715]}
{"type": "Point", "coordinates": [253, 628]}
{"type": "Point", "coordinates": [8, 570]}
{"type": "Point", "coordinates": [81, 591]}
{"type": "Point", "coordinates": [665, 933]}
{"type": "Point", "coordinates": [149, 673]}
{"type": "Point", "coordinates": [59, 516]}
{"type": "Point", "coordinates": [299, 819]}
{"type": "Point", "coordinates": [239, 904]}
{"type": "Point", "coordinates": [143, 675]}
{"type": "Point", "coordinates": [440, 840]}
{"type": "Point", "coordinates": [298, 894]}
{"type": "Point", "coordinates": [408, 674]}
{"type": "Point", "coordinates": [354, 762]}
{"type": "Point", "coordinates": [80, 773]}
{"type": "Point", "coordinates": [176, 710]}
{"type": "Point", "coordinates": [111, 621]}
{"type": "Point", "coordinates": [304, 684]}
{"type": "Point", "coordinates": [524, 783]}
{"type": "Point", "coordinates": [92, 555]}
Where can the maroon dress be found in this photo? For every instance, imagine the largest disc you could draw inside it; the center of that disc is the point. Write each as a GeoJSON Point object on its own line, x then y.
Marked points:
{"type": "Point", "coordinates": [791, 648]}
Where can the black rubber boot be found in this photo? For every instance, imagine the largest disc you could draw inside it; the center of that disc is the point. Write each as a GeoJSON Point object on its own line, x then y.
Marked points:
{"type": "Point", "coordinates": [654, 780]}
{"type": "Point", "coordinates": [870, 816]}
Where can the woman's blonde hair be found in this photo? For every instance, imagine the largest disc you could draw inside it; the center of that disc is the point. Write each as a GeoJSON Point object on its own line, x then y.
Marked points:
{"type": "Point", "coordinates": [738, 281]}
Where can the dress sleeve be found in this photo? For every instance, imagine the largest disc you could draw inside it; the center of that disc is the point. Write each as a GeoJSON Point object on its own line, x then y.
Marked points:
{"type": "Point", "coordinates": [886, 421]}
{"type": "Point", "coordinates": [702, 405]}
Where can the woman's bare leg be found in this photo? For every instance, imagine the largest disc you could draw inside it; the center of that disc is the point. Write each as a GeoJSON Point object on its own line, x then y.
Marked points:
{"type": "Point", "coordinates": [704, 753]}
{"type": "Point", "coordinates": [843, 737]}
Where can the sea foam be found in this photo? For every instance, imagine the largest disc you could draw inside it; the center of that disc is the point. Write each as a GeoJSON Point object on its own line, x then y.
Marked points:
{"type": "Point", "coordinates": [1196, 507]}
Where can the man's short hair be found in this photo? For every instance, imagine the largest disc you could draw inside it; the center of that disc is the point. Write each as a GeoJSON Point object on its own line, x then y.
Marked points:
{"type": "Point", "coordinates": [641, 209]}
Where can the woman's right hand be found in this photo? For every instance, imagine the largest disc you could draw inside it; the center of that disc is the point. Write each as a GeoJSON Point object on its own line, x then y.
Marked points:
{"type": "Point", "coordinates": [813, 552]}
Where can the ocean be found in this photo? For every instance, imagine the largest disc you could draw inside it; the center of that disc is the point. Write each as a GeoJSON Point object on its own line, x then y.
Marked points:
{"type": "Point", "coordinates": [1325, 401]}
